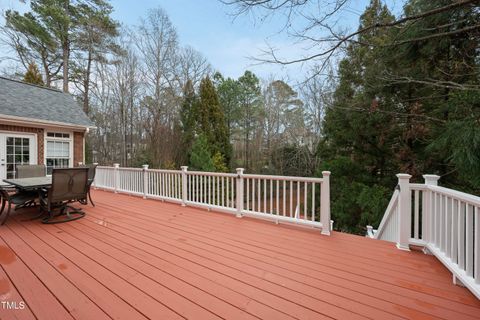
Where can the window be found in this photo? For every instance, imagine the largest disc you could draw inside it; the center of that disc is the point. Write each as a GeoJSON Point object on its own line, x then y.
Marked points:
{"type": "Point", "coordinates": [57, 151]}
{"type": "Point", "coordinates": [58, 135]}
{"type": "Point", "coordinates": [18, 152]}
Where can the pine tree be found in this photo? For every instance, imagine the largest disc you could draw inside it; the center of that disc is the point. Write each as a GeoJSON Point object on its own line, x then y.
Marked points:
{"type": "Point", "coordinates": [188, 118]}
{"type": "Point", "coordinates": [250, 109]}
{"type": "Point", "coordinates": [53, 28]}
{"type": "Point", "coordinates": [33, 75]}
{"type": "Point", "coordinates": [387, 118]}
{"type": "Point", "coordinates": [211, 120]}
{"type": "Point", "coordinates": [360, 132]}
{"type": "Point", "coordinates": [201, 157]}
{"type": "Point", "coordinates": [229, 94]}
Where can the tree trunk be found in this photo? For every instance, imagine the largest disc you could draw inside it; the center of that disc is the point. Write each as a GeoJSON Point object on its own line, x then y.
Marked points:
{"type": "Point", "coordinates": [48, 78]}
{"type": "Point", "coordinates": [86, 85]}
{"type": "Point", "coordinates": [66, 54]}
{"type": "Point", "coordinates": [66, 50]}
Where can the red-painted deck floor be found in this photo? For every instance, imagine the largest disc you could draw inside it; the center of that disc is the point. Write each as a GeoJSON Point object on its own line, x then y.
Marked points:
{"type": "Point", "coordinates": [131, 258]}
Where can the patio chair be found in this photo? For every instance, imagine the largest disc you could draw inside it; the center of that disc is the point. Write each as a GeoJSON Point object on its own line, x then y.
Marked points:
{"type": "Point", "coordinates": [92, 169]}
{"type": "Point", "coordinates": [31, 171]}
{"type": "Point", "coordinates": [11, 195]}
{"type": "Point", "coordinates": [68, 185]}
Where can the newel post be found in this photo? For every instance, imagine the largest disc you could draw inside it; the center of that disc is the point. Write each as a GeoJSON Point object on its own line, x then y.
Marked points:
{"type": "Point", "coordinates": [430, 180]}
{"type": "Point", "coordinates": [404, 212]}
{"type": "Point", "coordinates": [116, 176]}
{"type": "Point", "coordinates": [184, 185]}
{"type": "Point", "coordinates": [145, 180]}
{"type": "Point", "coordinates": [239, 192]}
{"type": "Point", "coordinates": [325, 203]}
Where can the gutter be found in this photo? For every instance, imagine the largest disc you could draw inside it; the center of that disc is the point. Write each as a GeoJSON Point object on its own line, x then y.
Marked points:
{"type": "Point", "coordinates": [32, 121]}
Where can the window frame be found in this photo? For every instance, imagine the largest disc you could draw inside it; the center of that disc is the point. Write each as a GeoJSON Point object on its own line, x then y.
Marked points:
{"type": "Point", "coordinates": [33, 158]}
{"type": "Point", "coordinates": [60, 139]}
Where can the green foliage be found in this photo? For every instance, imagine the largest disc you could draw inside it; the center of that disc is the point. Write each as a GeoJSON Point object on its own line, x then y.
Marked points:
{"type": "Point", "coordinates": [33, 75]}
{"type": "Point", "coordinates": [249, 114]}
{"type": "Point", "coordinates": [211, 120]}
{"type": "Point", "coordinates": [355, 200]}
{"type": "Point", "coordinates": [188, 118]}
{"type": "Point", "coordinates": [384, 121]}
{"type": "Point", "coordinates": [200, 157]}
{"type": "Point", "coordinates": [229, 93]}
{"type": "Point", "coordinates": [458, 140]}
{"type": "Point", "coordinates": [219, 162]}
{"type": "Point", "coordinates": [54, 30]}
{"type": "Point", "coordinates": [372, 202]}
{"type": "Point", "coordinates": [143, 156]}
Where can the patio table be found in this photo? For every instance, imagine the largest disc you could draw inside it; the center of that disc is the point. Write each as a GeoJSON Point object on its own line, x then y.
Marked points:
{"type": "Point", "coordinates": [34, 184]}
{"type": "Point", "coordinates": [30, 183]}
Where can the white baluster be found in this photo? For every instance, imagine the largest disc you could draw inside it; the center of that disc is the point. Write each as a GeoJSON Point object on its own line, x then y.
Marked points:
{"type": "Point", "coordinates": [476, 262]}
{"type": "Point", "coordinates": [325, 203]}
{"type": "Point", "coordinates": [184, 185]}
{"type": "Point", "coordinates": [145, 180]}
{"type": "Point", "coordinates": [116, 176]}
{"type": "Point", "coordinates": [239, 192]}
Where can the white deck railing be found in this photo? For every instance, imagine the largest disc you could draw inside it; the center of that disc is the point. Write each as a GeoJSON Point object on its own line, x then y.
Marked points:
{"type": "Point", "coordinates": [445, 222]}
{"type": "Point", "coordinates": [297, 200]}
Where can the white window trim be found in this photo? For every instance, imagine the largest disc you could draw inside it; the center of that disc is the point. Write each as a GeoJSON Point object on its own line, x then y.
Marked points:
{"type": "Point", "coordinates": [70, 140]}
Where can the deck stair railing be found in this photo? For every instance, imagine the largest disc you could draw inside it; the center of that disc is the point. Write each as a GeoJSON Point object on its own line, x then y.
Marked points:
{"type": "Point", "coordinates": [298, 200]}
{"type": "Point", "coordinates": [445, 222]}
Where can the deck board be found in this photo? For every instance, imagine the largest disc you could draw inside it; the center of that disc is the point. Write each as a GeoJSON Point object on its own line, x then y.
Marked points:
{"type": "Point", "coordinates": [131, 258]}
{"type": "Point", "coordinates": [8, 292]}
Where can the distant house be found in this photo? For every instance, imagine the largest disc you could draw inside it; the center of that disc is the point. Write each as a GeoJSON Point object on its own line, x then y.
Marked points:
{"type": "Point", "coordinates": [39, 126]}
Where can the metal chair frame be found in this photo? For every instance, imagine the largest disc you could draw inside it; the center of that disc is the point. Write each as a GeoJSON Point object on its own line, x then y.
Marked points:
{"type": "Point", "coordinates": [68, 185]}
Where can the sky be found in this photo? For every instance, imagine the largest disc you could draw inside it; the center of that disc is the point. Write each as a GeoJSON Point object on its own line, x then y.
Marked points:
{"type": "Point", "coordinates": [228, 42]}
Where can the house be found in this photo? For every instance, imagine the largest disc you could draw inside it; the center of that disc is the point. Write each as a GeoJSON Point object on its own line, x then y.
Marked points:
{"type": "Point", "coordinates": [39, 126]}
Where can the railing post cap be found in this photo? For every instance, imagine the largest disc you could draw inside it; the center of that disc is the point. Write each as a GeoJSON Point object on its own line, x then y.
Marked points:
{"type": "Point", "coordinates": [95, 163]}
{"type": "Point", "coordinates": [431, 178]}
{"type": "Point", "coordinates": [116, 165]}
{"type": "Point", "coordinates": [326, 173]}
{"type": "Point", "coordinates": [184, 168]}
{"type": "Point", "coordinates": [145, 166]}
{"type": "Point", "coordinates": [402, 176]}
{"type": "Point", "coordinates": [240, 170]}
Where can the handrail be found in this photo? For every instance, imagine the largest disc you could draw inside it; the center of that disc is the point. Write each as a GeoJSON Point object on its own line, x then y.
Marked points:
{"type": "Point", "coordinates": [281, 178]}
{"type": "Point", "coordinates": [469, 198]}
{"type": "Point", "coordinates": [212, 174]}
{"type": "Point", "coordinates": [388, 214]}
{"type": "Point", "coordinates": [298, 200]}
{"type": "Point", "coordinates": [445, 222]}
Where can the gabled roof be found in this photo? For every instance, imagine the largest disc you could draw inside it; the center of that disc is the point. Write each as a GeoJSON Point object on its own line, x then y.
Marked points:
{"type": "Point", "coordinates": [33, 103]}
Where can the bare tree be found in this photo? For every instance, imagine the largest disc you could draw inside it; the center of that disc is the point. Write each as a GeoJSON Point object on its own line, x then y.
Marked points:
{"type": "Point", "coordinates": [316, 93]}
{"type": "Point", "coordinates": [316, 25]}
{"type": "Point", "coordinates": [191, 65]}
{"type": "Point", "coordinates": [157, 42]}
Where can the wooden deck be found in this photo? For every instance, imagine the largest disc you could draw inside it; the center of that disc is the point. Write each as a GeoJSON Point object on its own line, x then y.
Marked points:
{"type": "Point", "coordinates": [131, 258]}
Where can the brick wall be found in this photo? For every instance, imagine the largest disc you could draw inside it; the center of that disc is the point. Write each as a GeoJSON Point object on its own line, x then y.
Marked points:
{"type": "Point", "coordinates": [38, 131]}
{"type": "Point", "coordinates": [77, 148]}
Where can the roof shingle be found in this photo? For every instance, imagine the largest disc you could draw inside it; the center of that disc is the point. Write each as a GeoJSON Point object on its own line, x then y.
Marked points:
{"type": "Point", "coordinates": [20, 99]}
